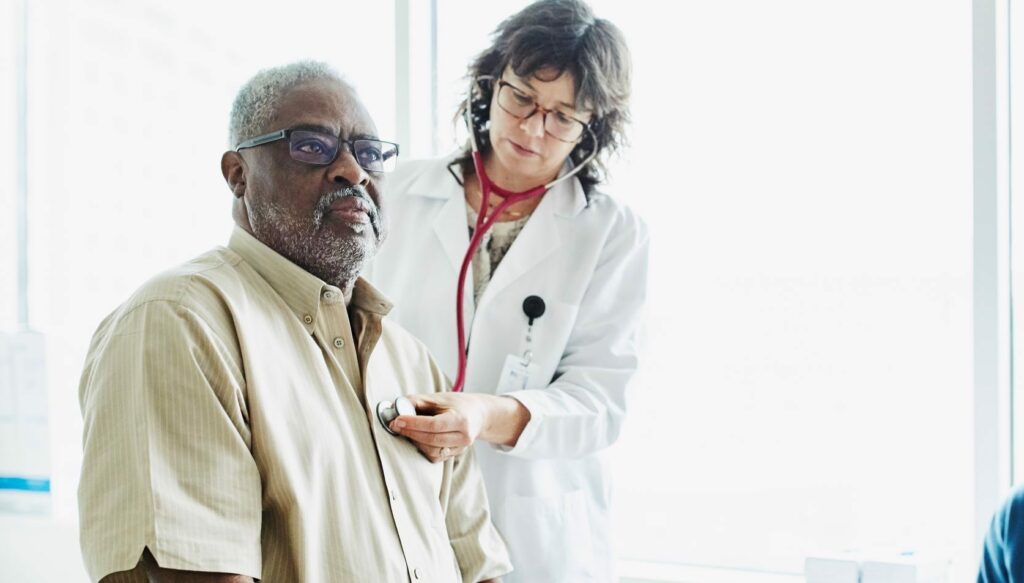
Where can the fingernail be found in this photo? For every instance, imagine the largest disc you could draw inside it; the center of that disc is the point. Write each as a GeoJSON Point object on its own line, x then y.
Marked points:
{"type": "Point", "coordinates": [398, 425]}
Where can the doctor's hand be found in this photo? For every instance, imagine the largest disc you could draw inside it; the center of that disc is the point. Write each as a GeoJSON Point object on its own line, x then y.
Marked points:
{"type": "Point", "coordinates": [446, 424]}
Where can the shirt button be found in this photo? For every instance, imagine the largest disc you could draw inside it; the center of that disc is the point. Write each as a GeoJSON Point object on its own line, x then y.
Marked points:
{"type": "Point", "coordinates": [307, 319]}
{"type": "Point", "coordinates": [329, 294]}
{"type": "Point", "coordinates": [339, 342]}
{"type": "Point", "coordinates": [416, 573]}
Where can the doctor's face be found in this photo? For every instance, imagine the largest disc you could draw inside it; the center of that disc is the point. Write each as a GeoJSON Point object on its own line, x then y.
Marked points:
{"type": "Point", "coordinates": [535, 123]}
{"type": "Point", "coordinates": [326, 219]}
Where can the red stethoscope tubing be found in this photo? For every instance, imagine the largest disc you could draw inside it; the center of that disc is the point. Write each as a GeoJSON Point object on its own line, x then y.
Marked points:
{"type": "Point", "coordinates": [484, 222]}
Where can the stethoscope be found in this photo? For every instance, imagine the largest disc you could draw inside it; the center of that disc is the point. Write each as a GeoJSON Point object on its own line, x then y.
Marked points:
{"type": "Point", "coordinates": [388, 411]}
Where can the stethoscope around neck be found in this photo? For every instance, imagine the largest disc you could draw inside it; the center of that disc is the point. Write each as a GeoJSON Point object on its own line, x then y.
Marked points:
{"type": "Point", "coordinates": [388, 411]}
{"type": "Point", "coordinates": [485, 220]}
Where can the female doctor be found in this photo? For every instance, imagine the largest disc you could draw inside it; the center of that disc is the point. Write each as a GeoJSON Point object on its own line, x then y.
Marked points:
{"type": "Point", "coordinates": [555, 296]}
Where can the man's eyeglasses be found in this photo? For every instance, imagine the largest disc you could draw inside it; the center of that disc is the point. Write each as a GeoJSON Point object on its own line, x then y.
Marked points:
{"type": "Point", "coordinates": [520, 104]}
{"type": "Point", "coordinates": [320, 149]}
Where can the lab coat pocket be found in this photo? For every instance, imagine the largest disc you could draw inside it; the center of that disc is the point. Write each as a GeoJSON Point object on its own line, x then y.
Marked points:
{"type": "Point", "coordinates": [549, 537]}
{"type": "Point", "coordinates": [550, 339]}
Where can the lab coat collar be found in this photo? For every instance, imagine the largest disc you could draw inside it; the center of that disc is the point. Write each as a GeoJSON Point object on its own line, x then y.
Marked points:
{"type": "Point", "coordinates": [437, 182]}
{"type": "Point", "coordinates": [538, 239]}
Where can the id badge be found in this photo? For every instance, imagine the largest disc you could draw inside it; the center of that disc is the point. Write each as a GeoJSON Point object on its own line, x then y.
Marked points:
{"type": "Point", "coordinates": [515, 375]}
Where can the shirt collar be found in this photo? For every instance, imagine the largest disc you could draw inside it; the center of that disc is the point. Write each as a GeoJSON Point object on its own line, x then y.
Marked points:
{"type": "Point", "coordinates": [301, 290]}
{"type": "Point", "coordinates": [369, 299]}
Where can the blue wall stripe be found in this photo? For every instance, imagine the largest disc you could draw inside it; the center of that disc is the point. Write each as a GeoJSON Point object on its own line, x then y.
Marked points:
{"type": "Point", "coordinates": [26, 484]}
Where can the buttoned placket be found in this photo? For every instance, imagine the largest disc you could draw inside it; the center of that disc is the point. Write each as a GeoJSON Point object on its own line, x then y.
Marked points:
{"type": "Point", "coordinates": [334, 331]}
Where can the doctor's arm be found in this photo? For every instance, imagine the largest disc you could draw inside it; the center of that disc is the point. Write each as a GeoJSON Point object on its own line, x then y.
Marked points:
{"type": "Point", "coordinates": [582, 409]}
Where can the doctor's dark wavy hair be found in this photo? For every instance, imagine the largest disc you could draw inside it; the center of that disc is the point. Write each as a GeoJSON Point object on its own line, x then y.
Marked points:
{"type": "Point", "coordinates": [563, 36]}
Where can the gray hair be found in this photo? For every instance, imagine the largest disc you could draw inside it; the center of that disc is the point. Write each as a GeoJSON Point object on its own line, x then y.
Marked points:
{"type": "Point", "coordinates": [257, 100]}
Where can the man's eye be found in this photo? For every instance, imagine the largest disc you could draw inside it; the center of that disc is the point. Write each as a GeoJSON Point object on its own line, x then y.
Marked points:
{"type": "Point", "coordinates": [370, 155]}
{"type": "Point", "coordinates": [311, 147]}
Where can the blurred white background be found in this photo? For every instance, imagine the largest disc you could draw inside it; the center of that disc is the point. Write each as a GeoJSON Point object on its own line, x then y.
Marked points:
{"type": "Point", "coordinates": [805, 167]}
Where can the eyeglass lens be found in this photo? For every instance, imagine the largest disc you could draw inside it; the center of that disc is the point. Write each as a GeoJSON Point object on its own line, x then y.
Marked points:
{"type": "Point", "coordinates": [322, 149]}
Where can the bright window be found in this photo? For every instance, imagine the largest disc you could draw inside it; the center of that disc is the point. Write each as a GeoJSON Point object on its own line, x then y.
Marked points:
{"type": "Point", "coordinates": [1015, 188]}
{"type": "Point", "coordinates": [128, 117]}
{"type": "Point", "coordinates": [8, 156]}
{"type": "Point", "coordinates": [805, 170]}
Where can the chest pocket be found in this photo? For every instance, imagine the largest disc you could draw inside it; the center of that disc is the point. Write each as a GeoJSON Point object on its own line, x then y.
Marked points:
{"type": "Point", "coordinates": [549, 340]}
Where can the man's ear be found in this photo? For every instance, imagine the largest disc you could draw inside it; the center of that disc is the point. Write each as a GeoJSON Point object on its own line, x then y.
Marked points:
{"type": "Point", "coordinates": [233, 167]}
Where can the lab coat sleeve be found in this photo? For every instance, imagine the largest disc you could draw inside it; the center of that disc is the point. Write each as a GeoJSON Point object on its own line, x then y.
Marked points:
{"type": "Point", "coordinates": [582, 410]}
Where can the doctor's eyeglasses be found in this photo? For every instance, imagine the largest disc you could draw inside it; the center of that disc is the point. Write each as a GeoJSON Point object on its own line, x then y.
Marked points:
{"type": "Point", "coordinates": [320, 149]}
{"type": "Point", "coordinates": [520, 104]}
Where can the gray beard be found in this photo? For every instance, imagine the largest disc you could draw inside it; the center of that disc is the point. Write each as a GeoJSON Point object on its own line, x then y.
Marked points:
{"type": "Point", "coordinates": [306, 243]}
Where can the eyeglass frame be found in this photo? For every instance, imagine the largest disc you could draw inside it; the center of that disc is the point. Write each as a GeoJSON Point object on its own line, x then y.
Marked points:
{"type": "Point", "coordinates": [285, 134]}
{"type": "Point", "coordinates": [538, 107]}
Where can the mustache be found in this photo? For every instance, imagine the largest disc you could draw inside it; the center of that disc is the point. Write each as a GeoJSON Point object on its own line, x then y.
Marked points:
{"type": "Point", "coordinates": [323, 206]}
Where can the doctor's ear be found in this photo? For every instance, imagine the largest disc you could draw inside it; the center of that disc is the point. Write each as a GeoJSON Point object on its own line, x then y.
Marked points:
{"type": "Point", "coordinates": [233, 167]}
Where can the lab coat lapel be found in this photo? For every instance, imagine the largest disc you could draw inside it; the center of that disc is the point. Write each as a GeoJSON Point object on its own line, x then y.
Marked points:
{"type": "Point", "coordinates": [452, 230]}
{"type": "Point", "coordinates": [540, 238]}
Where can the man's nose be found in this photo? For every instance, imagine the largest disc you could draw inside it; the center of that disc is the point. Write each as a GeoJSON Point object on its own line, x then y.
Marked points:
{"type": "Point", "coordinates": [345, 169]}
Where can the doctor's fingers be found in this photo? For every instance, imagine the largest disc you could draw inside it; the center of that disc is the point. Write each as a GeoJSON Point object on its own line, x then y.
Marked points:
{"type": "Point", "coordinates": [442, 422]}
{"type": "Point", "coordinates": [439, 454]}
{"type": "Point", "coordinates": [451, 439]}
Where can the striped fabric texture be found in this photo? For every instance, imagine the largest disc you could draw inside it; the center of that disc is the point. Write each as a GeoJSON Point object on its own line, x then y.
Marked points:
{"type": "Point", "coordinates": [230, 426]}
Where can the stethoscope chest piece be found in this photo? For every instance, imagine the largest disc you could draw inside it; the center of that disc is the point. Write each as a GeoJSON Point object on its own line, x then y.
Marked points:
{"type": "Point", "coordinates": [387, 411]}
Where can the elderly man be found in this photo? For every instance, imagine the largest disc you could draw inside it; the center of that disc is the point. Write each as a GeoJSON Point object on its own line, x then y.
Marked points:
{"type": "Point", "coordinates": [230, 432]}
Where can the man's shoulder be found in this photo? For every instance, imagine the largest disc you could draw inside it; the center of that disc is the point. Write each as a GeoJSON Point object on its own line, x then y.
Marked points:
{"type": "Point", "coordinates": [193, 283]}
{"type": "Point", "coordinates": [202, 286]}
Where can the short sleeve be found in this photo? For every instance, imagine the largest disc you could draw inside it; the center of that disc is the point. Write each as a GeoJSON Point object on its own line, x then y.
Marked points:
{"type": "Point", "coordinates": [167, 462]}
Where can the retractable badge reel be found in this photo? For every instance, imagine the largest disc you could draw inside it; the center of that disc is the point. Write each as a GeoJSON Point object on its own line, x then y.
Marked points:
{"type": "Point", "coordinates": [533, 307]}
{"type": "Point", "coordinates": [516, 373]}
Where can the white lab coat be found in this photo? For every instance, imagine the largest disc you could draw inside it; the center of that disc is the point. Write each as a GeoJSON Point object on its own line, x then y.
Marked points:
{"type": "Point", "coordinates": [549, 494]}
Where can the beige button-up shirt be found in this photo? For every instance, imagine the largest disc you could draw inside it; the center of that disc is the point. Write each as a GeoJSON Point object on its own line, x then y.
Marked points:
{"type": "Point", "coordinates": [230, 426]}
